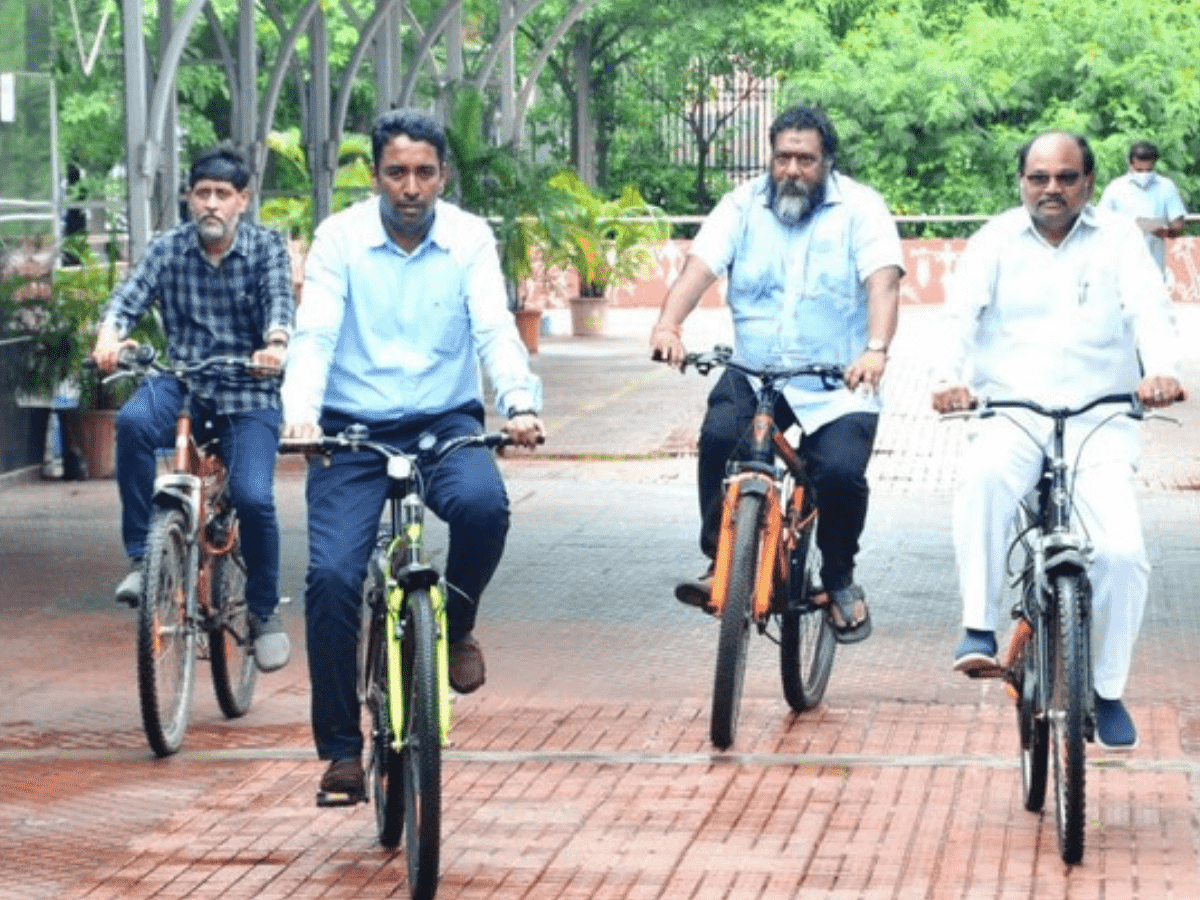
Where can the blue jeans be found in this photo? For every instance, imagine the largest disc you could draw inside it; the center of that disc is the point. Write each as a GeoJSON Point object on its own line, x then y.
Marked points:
{"type": "Point", "coordinates": [837, 456]}
{"type": "Point", "coordinates": [345, 501]}
{"type": "Point", "coordinates": [248, 444]}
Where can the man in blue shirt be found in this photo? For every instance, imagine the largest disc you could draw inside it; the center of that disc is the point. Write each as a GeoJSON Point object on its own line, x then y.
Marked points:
{"type": "Point", "coordinates": [403, 302]}
{"type": "Point", "coordinates": [1150, 198]}
{"type": "Point", "coordinates": [813, 263]}
{"type": "Point", "coordinates": [224, 288]}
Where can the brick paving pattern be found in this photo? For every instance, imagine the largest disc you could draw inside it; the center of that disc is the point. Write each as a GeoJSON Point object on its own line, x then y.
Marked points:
{"type": "Point", "coordinates": [583, 769]}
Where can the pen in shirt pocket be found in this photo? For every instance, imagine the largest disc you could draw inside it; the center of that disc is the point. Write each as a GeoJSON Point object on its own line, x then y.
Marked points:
{"type": "Point", "coordinates": [1083, 288]}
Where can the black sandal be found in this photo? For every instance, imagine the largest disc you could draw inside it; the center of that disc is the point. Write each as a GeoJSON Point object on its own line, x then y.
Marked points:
{"type": "Point", "coordinates": [844, 603]}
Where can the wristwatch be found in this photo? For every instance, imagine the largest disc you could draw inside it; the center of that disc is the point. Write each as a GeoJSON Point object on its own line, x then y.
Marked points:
{"type": "Point", "coordinates": [878, 345]}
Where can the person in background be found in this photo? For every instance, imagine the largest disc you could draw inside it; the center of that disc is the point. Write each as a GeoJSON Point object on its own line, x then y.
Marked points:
{"type": "Point", "coordinates": [1150, 198]}
{"type": "Point", "coordinates": [223, 285]}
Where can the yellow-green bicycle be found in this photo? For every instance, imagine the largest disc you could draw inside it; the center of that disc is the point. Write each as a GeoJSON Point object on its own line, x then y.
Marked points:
{"type": "Point", "coordinates": [404, 670]}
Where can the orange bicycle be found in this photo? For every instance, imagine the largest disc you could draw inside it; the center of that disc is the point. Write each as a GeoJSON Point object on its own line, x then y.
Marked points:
{"type": "Point", "coordinates": [768, 566]}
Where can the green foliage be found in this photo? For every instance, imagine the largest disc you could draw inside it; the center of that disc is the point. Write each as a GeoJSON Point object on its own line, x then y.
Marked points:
{"type": "Point", "coordinates": [293, 215]}
{"type": "Point", "coordinates": [505, 185]}
{"type": "Point", "coordinates": [606, 241]}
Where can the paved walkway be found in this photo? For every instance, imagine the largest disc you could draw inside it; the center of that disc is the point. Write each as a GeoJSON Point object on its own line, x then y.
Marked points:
{"type": "Point", "coordinates": [583, 768]}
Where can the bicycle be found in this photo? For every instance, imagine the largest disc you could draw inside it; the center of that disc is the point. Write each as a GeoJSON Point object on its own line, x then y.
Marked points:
{"type": "Point", "coordinates": [1047, 663]}
{"type": "Point", "coordinates": [404, 678]}
{"type": "Point", "coordinates": [768, 566]}
{"type": "Point", "coordinates": [193, 601]}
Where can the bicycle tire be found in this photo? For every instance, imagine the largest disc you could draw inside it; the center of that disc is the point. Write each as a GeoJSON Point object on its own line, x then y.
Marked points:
{"type": "Point", "coordinates": [735, 622]}
{"type": "Point", "coordinates": [806, 641]}
{"type": "Point", "coordinates": [166, 636]}
{"type": "Point", "coordinates": [1068, 716]}
{"type": "Point", "coordinates": [234, 671]}
{"type": "Point", "coordinates": [421, 750]}
{"type": "Point", "coordinates": [384, 774]}
{"type": "Point", "coordinates": [1034, 730]}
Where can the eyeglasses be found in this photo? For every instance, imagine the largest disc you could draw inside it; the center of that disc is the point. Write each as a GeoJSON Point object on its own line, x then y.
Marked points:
{"type": "Point", "coordinates": [1041, 179]}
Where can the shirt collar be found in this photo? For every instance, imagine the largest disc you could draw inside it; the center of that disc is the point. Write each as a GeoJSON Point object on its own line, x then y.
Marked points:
{"type": "Point", "coordinates": [1085, 220]}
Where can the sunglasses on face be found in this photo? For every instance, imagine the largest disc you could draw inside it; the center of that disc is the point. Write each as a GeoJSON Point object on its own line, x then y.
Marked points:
{"type": "Point", "coordinates": [1042, 179]}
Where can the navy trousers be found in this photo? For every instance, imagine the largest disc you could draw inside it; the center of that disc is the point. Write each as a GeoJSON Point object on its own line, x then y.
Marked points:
{"type": "Point", "coordinates": [248, 444]}
{"type": "Point", "coordinates": [837, 456]}
{"type": "Point", "coordinates": [345, 502]}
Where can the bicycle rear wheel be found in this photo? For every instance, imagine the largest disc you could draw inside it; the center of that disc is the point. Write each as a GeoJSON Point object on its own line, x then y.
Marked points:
{"type": "Point", "coordinates": [384, 773]}
{"type": "Point", "coordinates": [233, 669]}
{"type": "Point", "coordinates": [806, 642]}
{"type": "Point", "coordinates": [166, 636]}
{"type": "Point", "coordinates": [735, 621]}
{"type": "Point", "coordinates": [1068, 714]}
{"type": "Point", "coordinates": [1032, 727]}
{"type": "Point", "coordinates": [421, 750]}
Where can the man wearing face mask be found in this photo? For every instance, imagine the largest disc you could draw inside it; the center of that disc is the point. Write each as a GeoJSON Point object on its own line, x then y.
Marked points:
{"type": "Point", "coordinates": [1150, 198]}
{"type": "Point", "coordinates": [404, 304]}
{"type": "Point", "coordinates": [224, 287]}
{"type": "Point", "coordinates": [813, 263]}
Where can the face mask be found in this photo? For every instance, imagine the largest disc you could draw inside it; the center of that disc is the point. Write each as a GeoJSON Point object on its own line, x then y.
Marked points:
{"type": "Point", "coordinates": [1141, 179]}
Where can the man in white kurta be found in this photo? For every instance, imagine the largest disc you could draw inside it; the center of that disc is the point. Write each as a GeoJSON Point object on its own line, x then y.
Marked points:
{"type": "Point", "coordinates": [1059, 303]}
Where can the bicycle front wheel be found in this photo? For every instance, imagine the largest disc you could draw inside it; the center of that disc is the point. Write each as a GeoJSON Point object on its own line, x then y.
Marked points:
{"type": "Point", "coordinates": [1068, 713]}
{"type": "Point", "coordinates": [806, 642]}
{"type": "Point", "coordinates": [384, 775]}
{"type": "Point", "coordinates": [735, 621]}
{"type": "Point", "coordinates": [233, 669]}
{"type": "Point", "coordinates": [166, 637]}
{"type": "Point", "coordinates": [421, 749]}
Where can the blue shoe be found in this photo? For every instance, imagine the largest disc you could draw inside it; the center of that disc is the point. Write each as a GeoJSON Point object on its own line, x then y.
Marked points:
{"type": "Point", "coordinates": [976, 652]}
{"type": "Point", "coordinates": [1114, 729]}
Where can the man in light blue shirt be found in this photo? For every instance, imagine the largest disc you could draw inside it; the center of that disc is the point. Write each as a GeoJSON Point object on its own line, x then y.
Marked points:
{"type": "Point", "coordinates": [813, 263]}
{"type": "Point", "coordinates": [1150, 198]}
{"type": "Point", "coordinates": [403, 303]}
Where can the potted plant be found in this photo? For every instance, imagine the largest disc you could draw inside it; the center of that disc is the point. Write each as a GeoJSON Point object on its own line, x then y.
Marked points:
{"type": "Point", "coordinates": [607, 243]}
{"type": "Point", "coordinates": [509, 188]}
{"type": "Point", "coordinates": [64, 337]}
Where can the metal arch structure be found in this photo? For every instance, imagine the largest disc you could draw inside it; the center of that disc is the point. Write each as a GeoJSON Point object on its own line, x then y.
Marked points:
{"type": "Point", "coordinates": [151, 125]}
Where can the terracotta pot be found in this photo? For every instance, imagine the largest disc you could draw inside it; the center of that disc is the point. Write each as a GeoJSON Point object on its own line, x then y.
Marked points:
{"type": "Point", "coordinates": [92, 434]}
{"type": "Point", "coordinates": [589, 315]}
{"type": "Point", "coordinates": [529, 326]}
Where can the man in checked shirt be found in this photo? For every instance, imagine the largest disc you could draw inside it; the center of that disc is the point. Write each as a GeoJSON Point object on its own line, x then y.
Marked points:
{"type": "Point", "coordinates": [223, 286]}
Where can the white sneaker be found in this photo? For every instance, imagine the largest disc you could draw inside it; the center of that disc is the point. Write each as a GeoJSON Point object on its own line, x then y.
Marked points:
{"type": "Point", "coordinates": [129, 591]}
{"type": "Point", "coordinates": [272, 649]}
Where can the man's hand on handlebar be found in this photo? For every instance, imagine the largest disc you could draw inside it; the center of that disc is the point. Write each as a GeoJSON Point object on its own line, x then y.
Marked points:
{"type": "Point", "coordinates": [866, 371]}
{"type": "Point", "coordinates": [301, 431]}
{"type": "Point", "coordinates": [107, 351]}
{"type": "Point", "coordinates": [1157, 391]}
{"type": "Point", "coordinates": [666, 345]}
{"type": "Point", "coordinates": [526, 430]}
{"type": "Point", "coordinates": [268, 360]}
{"type": "Point", "coordinates": [952, 398]}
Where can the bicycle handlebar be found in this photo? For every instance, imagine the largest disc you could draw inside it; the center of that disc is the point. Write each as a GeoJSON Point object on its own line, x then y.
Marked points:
{"type": "Point", "coordinates": [985, 407]}
{"type": "Point", "coordinates": [831, 375]}
{"type": "Point", "coordinates": [357, 438]}
{"type": "Point", "coordinates": [143, 359]}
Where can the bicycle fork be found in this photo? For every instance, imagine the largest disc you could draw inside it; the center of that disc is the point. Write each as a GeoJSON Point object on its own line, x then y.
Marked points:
{"type": "Point", "coordinates": [770, 533]}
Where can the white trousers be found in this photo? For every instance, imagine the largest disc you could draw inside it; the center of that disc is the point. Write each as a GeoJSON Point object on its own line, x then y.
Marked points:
{"type": "Point", "coordinates": [1001, 465]}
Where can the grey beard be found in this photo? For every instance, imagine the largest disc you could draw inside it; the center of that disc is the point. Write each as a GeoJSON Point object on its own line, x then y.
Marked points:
{"type": "Point", "coordinates": [402, 225]}
{"type": "Point", "coordinates": [213, 231]}
{"type": "Point", "coordinates": [793, 203]}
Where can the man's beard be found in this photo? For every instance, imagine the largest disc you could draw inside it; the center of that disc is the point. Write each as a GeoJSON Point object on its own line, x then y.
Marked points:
{"type": "Point", "coordinates": [794, 201]}
{"type": "Point", "coordinates": [214, 230]}
{"type": "Point", "coordinates": [402, 225]}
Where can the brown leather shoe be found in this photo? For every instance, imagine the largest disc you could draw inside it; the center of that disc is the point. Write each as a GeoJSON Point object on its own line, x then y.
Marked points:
{"type": "Point", "coordinates": [466, 665]}
{"type": "Point", "coordinates": [343, 783]}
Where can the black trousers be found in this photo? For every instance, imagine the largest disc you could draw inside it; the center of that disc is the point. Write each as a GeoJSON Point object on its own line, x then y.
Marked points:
{"type": "Point", "coordinates": [837, 456]}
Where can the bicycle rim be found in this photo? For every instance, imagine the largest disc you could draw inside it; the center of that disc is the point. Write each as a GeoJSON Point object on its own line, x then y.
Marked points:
{"type": "Point", "coordinates": [1068, 717]}
{"type": "Point", "coordinates": [735, 622]}
{"type": "Point", "coordinates": [421, 752]}
{"type": "Point", "coordinates": [166, 639]}
{"type": "Point", "coordinates": [233, 667]}
{"type": "Point", "coordinates": [806, 642]}
{"type": "Point", "coordinates": [385, 776]}
{"type": "Point", "coordinates": [1033, 729]}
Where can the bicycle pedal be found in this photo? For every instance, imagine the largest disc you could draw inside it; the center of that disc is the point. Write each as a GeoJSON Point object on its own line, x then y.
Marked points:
{"type": "Point", "coordinates": [986, 671]}
{"type": "Point", "coordinates": [340, 798]}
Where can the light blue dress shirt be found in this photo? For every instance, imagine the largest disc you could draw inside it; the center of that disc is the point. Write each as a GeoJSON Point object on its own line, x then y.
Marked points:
{"type": "Point", "coordinates": [798, 293]}
{"type": "Point", "coordinates": [1159, 199]}
{"type": "Point", "coordinates": [382, 334]}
